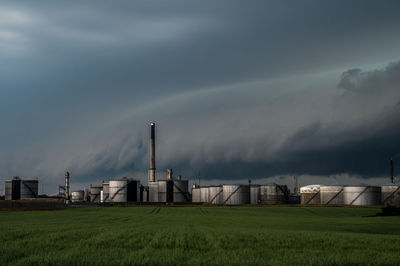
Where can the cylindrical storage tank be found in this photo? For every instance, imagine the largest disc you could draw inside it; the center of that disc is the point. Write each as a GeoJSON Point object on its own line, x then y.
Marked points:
{"type": "Point", "coordinates": [273, 194]}
{"type": "Point", "coordinates": [236, 194]}
{"type": "Point", "coordinates": [77, 196]}
{"type": "Point", "coordinates": [153, 191]}
{"type": "Point", "coordinates": [181, 191]}
{"type": "Point", "coordinates": [362, 195]}
{"type": "Point", "coordinates": [254, 194]}
{"type": "Point", "coordinates": [332, 195]}
{"type": "Point", "coordinates": [29, 189]}
{"type": "Point", "coordinates": [196, 196]}
{"type": "Point", "coordinates": [162, 190]}
{"type": "Point", "coordinates": [204, 194]}
{"type": "Point", "coordinates": [95, 193]}
{"type": "Point", "coordinates": [118, 190]}
{"type": "Point", "coordinates": [106, 191]}
{"type": "Point", "coordinates": [215, 195]}
{"type": "Point", "coordinates": [310, 194]}
{"type": "Point", "coordinates": [8, 189]}
{"type": "Point", "coordinates": [144, 194]}
{"type": "Point", "coordinates": [391, 194]}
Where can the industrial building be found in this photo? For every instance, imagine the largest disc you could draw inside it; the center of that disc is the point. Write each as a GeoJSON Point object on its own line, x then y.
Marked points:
{"type": "Point", "coordinates": [17, 189]}
{"type": "Point", "coordinates": [169, 189]}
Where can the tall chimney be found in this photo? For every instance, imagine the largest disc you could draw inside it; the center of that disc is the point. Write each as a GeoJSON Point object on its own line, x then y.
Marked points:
{"type": "Point", "coordinates": [67, 187]}
{"type": "Point", "coordinates": [152, 171]}
{"type": "Point", "coordinates": [391, 170]}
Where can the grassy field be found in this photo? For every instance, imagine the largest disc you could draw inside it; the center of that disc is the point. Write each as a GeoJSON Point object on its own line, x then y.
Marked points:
{"type": "Point", "coordinates": [199, 235]}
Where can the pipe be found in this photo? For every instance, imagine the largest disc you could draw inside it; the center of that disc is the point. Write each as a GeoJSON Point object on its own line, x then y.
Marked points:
{"type": "Point", "coordinates": [152, 171]}
{"type": "Point", "coordinates": [391, 171]}
{"type": "Point", "coordinates": [67, 187]}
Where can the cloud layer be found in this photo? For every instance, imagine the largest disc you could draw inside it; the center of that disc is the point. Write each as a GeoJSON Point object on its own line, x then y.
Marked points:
{"type": "Point", "coordinates": [237, 89]}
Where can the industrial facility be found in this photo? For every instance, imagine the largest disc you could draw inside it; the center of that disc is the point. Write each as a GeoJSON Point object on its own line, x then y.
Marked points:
{"type": "Point", "coordinates": [176, 190]}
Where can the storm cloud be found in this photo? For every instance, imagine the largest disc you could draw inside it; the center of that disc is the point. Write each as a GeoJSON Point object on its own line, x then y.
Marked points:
{"type": "Point", "coordinates": [238, 90]}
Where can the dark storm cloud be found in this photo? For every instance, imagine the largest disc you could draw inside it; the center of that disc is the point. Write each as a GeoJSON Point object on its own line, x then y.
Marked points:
{"type": "Point", "coordinates": [298, 133]}
{"type": "Point", "coordinates": [229, 82]}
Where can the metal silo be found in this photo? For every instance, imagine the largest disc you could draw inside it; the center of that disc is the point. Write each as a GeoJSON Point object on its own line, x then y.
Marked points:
{"type": "Point", "coordinates": [77, 196]}
{"type": "Point", "coordinates": [254, 194]}
{"type": "Point", "coordinates": [310, 194]}
{"type": "Point", "coordinates": [204, 194]}
{"type": "Point", "coordinates": [236, 194]}
{"type": "Point", "coordinates": [196, 196]}
{"type": "Point", "coordinates": [29, 189]}
{"type": "Point", "coordinates": [153, 191]}
{"type": "Point", "coordinates": [273, 194]}
{"type": "Point", "coordinates": [181, 191]}
{"type": "Point", "coordinates": [95, 193]}
{"type": "Point", "coordinates": [144, 194]}
{"type": "Point", "coordinates": [8, 190]}
{"type": "Point", "coordinates": [12, 189]}
{"type": "Point", "coordinates": [391, 194]}
{"type": "Point", "coordinates": [124, 190]}
{"type": "Point", "coordinates": [332, 195]}
{"type": "Point", "coordinates": [165, 191]}
{"type": "Point", "coordinates": [215, 195]}
{"type": "Point", "coordinates": [106, 191]}
{"type": "Point", "coordinates": [362, 195]}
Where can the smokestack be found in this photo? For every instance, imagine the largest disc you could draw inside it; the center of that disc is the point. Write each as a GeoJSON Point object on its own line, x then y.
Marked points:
{"type": "Point", "coordinates": [169, 173]}
{"type": "Point", "coordinates": [67, 187]}
{"type": "Point", "coordinates": [391, 171]}
{"type": "Point", "coordinates": [179, 177]}
{"type": "Point", "coordinates": [152, 171]}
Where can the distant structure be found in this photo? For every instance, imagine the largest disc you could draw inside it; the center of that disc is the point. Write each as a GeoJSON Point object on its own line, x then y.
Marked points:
{"type": "Point", "coordinates": [152, 170]}
{"type": "Point", "coordinates": [67, 198]}
{"type": "Point", "coordinates": [17, 189]}
{"type": "Point", "coordinates": [391, 171]}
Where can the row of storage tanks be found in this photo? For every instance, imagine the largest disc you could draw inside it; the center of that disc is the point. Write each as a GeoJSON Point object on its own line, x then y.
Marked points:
{"type": "Point", "coordinates": [241, 194]}
{"type": "Point", "coordinates": [351, 195]}
{"type": "Point", "coordinates": [309, 195]}
{"type": "Point", "coordinates": [129, 190]}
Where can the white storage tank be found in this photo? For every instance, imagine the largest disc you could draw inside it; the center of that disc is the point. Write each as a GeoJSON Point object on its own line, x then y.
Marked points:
{"type": "Point", "coordinates": [196, 197]}
{"type": "Point", "coordinates": [95, 193]}
{"type": "Point", "coordinates": [77, 196]}
{"type": "Point", "coordinates": [236, 194]}
{"type": "Point", "coordinates": [153, 191]}
{"type": "Point", "coordinates": [124, 190]}
{"type": "Point", "coordinates": [332, 194]}
{"type": "Point", "coordinates": [391, 194]}
{"type": "Point", "coordinates": [273, 194]}
{"type": "Point", "coordinates": [362, 195]}
{"type": "Point", "coordinates": [254, 194]}
{"type": "Point", "coordinates": [204, 194]}
{"type": "Point", "coordinates": [310, 194]}
{"type": "Point", "coordinates": [215, 195]}
{"type": "Point", "coordinates": [29, 189]}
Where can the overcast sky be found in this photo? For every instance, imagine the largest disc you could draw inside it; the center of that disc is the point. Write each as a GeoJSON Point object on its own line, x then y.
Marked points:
{"type": "Point", "coordinates": [238, 89]}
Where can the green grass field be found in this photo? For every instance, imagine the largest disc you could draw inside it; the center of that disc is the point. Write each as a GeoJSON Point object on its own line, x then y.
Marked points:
{"type": "Point", "coordinates": [199, 235]}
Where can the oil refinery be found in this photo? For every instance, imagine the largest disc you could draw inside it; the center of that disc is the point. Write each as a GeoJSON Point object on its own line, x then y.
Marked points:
{"type": "Point", "coordinates": [176, 190]}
